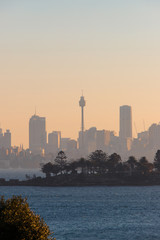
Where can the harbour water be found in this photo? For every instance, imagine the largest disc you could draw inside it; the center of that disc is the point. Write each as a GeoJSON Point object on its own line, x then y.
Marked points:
{"type": "Point", "coordinates": [101, 213]}
{"type": "Point", "coordinates": [20, 173]}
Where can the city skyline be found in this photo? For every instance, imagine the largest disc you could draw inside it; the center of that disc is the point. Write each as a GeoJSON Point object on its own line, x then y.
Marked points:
{"type": "Point", "coordinates": [125, 126]}
{"type": "Point", "coordinates": [53, 49]}
{"type": "Point", "coordinates": [45, 145]}
{"type": "Point", "coordinates": [132, 126]}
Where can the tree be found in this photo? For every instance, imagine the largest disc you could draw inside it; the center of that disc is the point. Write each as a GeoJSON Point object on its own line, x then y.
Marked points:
{"type": "Point", "coordinates": [61, 161]}
{"type": "Point", "coordinates": [88, 167]}
{"type": "Point", "coordinates": [98, 160]}
{"type": "Point", "coordinates": [47, 169]}
{"type": "Point", "coordinates": [113, 161]}
{"type": "Point", "coordinates": [122, 169]}
{"type": "Point", "coordinates": [72, 167]}
{"type": "Point", "coordinates": [157, 160]}
{"type": "Point", "coordinates": [132, 162]}
{"type": "Point", "coordinates": [144, 166]}
{"type": "Point", "coordinates": [19, 222]}
{"type": "Point", "coordinates": [55, 169]}
{"type": "Point", "coordinates": [82, 164]}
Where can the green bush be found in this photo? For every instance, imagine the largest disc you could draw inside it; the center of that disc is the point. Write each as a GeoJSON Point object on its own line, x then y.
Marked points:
{"type": "Point", "coordinates": [19, 222]}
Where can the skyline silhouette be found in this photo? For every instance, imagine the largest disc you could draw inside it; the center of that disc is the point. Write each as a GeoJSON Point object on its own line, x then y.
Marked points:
{"type": "Point", "coordinates": [45, 143]}
{"type": "Point", "coordinates": [82, 123]}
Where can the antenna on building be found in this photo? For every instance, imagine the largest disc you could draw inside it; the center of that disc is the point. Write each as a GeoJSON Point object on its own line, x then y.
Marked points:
{"type": "Point", "coordinates": [35, 110]}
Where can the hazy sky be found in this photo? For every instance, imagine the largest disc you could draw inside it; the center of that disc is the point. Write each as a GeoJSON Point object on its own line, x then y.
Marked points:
{"type": "Point", "coordinates": [51, 49]}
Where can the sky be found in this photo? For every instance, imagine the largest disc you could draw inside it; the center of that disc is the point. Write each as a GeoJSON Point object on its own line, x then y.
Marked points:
{"type": "Point", "coordinates": [50, 50]}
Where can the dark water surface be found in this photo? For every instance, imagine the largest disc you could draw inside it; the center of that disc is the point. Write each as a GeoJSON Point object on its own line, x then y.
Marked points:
{"type": "Point", "coordinates": [76, 213]}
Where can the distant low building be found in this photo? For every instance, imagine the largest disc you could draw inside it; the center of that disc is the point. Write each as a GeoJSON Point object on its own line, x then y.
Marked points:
{"type": "Point", "coordinates": [95, 139]}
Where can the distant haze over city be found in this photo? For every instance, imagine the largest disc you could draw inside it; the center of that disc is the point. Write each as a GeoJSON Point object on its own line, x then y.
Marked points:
{"type": "Point", "coordinates": [51, 50]}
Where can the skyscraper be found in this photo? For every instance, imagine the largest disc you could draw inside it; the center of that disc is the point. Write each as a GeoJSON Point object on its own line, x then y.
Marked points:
{"type": "Point", "coordinates": [37, 134]}
{"type": "Point", "coordinates": [125, 122]}
{"type": "Point", "coordinates": [54, 141]}
{"type": "Point", "coordinates": [7, 139]}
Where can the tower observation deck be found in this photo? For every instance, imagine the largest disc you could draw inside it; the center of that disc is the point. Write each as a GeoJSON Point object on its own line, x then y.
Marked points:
{"type": "Point", "coordinates": [82, 104]}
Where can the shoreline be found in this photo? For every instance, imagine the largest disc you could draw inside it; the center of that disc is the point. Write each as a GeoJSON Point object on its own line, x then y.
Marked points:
{"type": "Point", "coordinates": [83, 181]}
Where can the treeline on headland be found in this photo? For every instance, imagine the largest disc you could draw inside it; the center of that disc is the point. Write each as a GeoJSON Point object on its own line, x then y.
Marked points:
{"type": "Point", "coordinates": [97, 163]}
{"type": "Point", "coordinates": [100, 169]}
{"type": "Point", "coordinates": [97, 169]}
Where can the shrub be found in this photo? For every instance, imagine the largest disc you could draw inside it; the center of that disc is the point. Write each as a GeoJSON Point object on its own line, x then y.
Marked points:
{"type": "Point", "coordinates": [19, 222]}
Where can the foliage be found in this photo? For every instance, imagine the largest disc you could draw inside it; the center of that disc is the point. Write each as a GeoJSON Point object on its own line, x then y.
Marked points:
{"type": "Point", "coordinates": [113, 161]}
{"type": "Point", "coordinates": [82, 164]}
{"type": "Point", "coordinates": [99, 163]}
{"type": "Point", "coordinates": [55, 169]}
{"type": "Point", "coordinates": [19, 222]}
{"type": "Point", "coordinates": [61, 161]}
{"type": "Point", "coordinates": [144, 166]}
{"type": "Point", "coordinates": [72, 167]}
{"type": "Point", "coordinates": [132, 162]}
{"type": "Point", "coordinates": [157, 160]}
{"type": "Point", "coordinates": [98, 159]}
{"type": "Point", "coordinates": [47, 169]}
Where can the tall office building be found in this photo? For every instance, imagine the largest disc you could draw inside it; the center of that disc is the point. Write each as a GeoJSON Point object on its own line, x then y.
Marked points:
{"type": "Point", "coordinates": [7, 139]}
{"type": "Point", "coordinates": [37, 134]}
{"type": "Point", "coordinates": [1, 138]}
{"type": "Point", "coordinates": [54, 141]}
{"type": "Point", "coordinates": [102, 139]}
{"type": "Point", "coordinates": [125, 122]}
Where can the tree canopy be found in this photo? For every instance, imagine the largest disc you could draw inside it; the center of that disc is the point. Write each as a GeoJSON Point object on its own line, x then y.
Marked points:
{"type": "Point", "coordinates": [61, 161]}
{"type": "Point", "coordinates": [19, 222]}
{"type": "Point", "coordinates": [100, 164]}
{"type": "Point", "coordinates": [157, 160]}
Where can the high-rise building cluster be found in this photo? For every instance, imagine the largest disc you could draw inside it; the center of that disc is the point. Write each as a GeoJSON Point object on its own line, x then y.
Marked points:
{"type": "Point", "coordinates": [146, 143]}
{"type": "Point", "coordinates": [40, 144]}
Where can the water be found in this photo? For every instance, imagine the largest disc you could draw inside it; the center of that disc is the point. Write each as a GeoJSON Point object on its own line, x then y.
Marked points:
{"type": "Point", "coordinates": [101, 213]}
{"type": "Point", "coordinates": [20, 173]}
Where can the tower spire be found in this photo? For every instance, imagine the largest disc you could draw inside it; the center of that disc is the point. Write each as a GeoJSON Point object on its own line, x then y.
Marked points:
{"type": "Point", "coordinates": [82, 104]}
